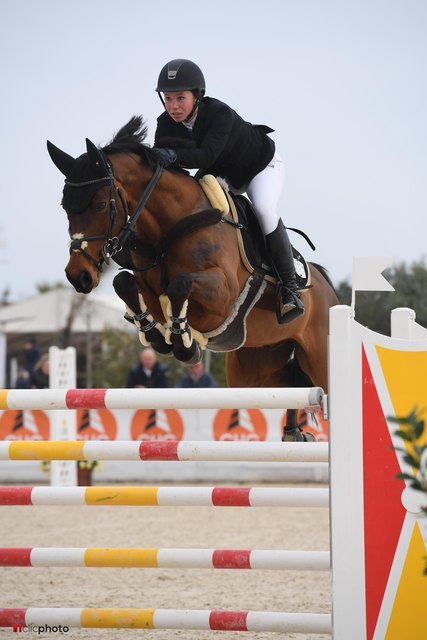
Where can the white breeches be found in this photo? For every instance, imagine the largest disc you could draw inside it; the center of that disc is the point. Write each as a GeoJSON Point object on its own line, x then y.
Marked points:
{"type": "Point", "coordinates": [264, 192]}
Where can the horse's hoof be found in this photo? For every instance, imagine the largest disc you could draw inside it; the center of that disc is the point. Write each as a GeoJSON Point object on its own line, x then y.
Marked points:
{"type": "Point", "coordinates": [309, 437]}
{"type": "Point", "coordinates": [163, 348]}
{"type": "Point", "coordinates": [189, 355]}
{"type": "Point", "coordinates": [197, 355]}
{"type": "Point", "coordinates": [297, 435]}
{"type": "Point", "coordinates": [123, 283]}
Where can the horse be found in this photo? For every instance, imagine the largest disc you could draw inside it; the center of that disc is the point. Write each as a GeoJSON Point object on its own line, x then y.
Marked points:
{"type": "Point", "coordinates": [186, 278]}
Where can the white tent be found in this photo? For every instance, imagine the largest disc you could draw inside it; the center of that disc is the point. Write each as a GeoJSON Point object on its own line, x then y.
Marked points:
{"type": "Point", "coordinates": [51, 312]}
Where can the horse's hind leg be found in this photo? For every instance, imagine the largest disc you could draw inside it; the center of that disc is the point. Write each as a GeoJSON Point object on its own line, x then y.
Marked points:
{"type": "Point", "coordinates": [292, 431]}
{"type": "Point", "coordinates": [270, 367]}
{"type": "Point", "coordinates": [151, 332]}
{"type": "Point", "coordinates": [178, 332]}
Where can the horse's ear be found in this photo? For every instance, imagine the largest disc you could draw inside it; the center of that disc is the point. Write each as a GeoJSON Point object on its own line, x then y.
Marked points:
{"type": "Point", "coordinates": [96, 156]}
{"type": "Point", "coordinates": [60, 159]}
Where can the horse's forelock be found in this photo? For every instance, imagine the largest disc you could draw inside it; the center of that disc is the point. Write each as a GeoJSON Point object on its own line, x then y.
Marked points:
{"type": "Point", "coordinates": [77, 199]}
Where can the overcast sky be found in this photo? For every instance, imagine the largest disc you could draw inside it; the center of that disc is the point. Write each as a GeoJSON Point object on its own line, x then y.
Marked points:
{"type": "Point", "coordinates": [343, 83]}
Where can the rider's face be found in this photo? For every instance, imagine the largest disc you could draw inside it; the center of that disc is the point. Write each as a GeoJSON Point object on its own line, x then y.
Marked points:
{"type": "Point", "coordinates": [179, 104]}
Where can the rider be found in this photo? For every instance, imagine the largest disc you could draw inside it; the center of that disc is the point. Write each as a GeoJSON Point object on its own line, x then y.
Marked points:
{"type": "Point", "coordinates": [227, 146]}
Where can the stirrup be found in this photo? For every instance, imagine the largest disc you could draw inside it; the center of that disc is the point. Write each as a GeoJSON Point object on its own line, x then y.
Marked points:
{"type": "Point", "coordinates": [291, 309]}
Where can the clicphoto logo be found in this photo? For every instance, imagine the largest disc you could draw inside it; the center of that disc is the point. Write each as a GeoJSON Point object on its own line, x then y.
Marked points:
{"type": "Point", "coordinates": [44, 628]}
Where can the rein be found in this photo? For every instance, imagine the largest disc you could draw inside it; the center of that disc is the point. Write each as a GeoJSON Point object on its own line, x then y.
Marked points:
{"type": "Point", "coordinates": [113, 244]}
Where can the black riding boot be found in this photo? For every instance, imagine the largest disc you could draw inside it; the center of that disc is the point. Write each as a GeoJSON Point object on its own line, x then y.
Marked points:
{"type": "Point", "coordinates": [288, 303]}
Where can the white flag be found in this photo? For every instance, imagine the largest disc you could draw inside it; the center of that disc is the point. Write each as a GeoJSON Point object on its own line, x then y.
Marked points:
{"type": "Point", "coordinates": [367, 274]}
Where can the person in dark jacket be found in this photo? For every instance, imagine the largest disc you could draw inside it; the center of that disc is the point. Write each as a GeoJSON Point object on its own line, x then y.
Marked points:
{"type": "Point", "coordinates": [148, 372]}
{"type": "Point", "coordinates": [31, 354]}
{"type": "Point", "coordinates": [225, 145]}
{"type": "Point", "coordinates": [23, 379]}
{"type": "Point", "coordinates": [197, 377]}
{"type": "Point", "coordinates": [40, 373]}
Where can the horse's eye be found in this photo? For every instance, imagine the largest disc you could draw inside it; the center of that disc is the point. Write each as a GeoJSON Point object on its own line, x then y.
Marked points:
{"type": "Point", "coordinates": [99, 206]}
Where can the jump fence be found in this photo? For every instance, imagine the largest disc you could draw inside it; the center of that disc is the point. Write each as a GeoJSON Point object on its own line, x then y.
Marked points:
{"type": "Point", "coordinates": [201, 620]}
{"type": "Point", "coordinates": [166, 558]}
{"type": "Point", "coordinates": [308, 398]}
{"type": "Point", "coordinates": [378, 541]}
{"type": "Point", "coordinates": [165, 450]}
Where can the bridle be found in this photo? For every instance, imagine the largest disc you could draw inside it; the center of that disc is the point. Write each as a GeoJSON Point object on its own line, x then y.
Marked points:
{"type": "Point", "coordinates": [112, 244]}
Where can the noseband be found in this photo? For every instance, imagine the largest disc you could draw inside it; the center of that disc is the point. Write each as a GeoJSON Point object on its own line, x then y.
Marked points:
{"type": "Point", "coordinates": [113, 244]}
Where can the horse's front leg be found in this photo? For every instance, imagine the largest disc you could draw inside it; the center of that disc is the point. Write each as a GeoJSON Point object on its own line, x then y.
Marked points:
{"type": "Point", "coordinates": [178, 332]}
{"type": "Point", "coordinates": [151, 332]}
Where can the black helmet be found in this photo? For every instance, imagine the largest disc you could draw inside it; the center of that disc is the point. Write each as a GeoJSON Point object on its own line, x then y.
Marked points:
{"type": "Point", "coordinates": [181, 75]}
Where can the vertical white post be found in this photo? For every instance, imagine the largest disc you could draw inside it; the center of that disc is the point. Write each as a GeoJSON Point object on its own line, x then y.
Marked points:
{"type": "Point", "coordinates": [2, 359]}
{"type": "Point", "coordinates": [346, 477]}
{"type": "Point", "coordinates": [13, 372]}
{"type": "Point", "coordinates": [62, 375]}
{"type": "Point", "coordinates": [403, 325]}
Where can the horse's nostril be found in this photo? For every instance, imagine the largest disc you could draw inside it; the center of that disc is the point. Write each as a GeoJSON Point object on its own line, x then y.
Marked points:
{"type": "Point", "coordinates": [83, 283]}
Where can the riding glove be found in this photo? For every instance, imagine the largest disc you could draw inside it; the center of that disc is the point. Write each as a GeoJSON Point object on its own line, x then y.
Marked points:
{"type": "Point", "coordinates": [166, 155]}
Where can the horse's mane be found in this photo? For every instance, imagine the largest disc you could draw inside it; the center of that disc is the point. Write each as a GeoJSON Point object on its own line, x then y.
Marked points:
{"type": "Point", "coordinates": [325, 274]}
{"type": "Point", "coordinates": [130, 138]}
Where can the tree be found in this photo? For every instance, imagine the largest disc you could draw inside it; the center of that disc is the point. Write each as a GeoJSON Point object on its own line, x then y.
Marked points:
{"type": "Point", "coordinates": [5, 297]}
{"type": "Point", "coordinates": [119, 351]}
{"type": "Point", "coordinates": [373, 308]}
{"type": "Point", "coordinates": [44, 287]}
{"type": "Point", "coordinates": [218, 368]}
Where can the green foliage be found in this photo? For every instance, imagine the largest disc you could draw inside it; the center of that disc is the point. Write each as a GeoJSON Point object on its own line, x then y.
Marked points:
{"type": "Point", "coordinates": [44, 287]}
{"type": "Point", "coordinates": [411, 432]}
{"type": "Point", "coordinates": [218, 368]}
{"type": "Point", "coordinates": [373, 308]}
{"type": "Point", "coordinates": [119, 351]}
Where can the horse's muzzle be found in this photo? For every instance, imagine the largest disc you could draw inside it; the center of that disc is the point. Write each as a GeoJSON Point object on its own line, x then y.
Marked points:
{"type": "Point", "coordinates": [83, 282]}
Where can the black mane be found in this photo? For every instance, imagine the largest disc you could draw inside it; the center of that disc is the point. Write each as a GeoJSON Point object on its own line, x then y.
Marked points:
{"type": "Point", "coordinates": [130, 138]}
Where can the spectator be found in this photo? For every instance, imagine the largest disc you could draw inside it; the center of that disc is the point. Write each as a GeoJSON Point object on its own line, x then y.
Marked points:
{"type": "Point", "coordinates": [197, 377]}
{"type": "Point", "coordinates": [148, 373]}
{"type": "Point", "coordinates": [23, 379]}
{"type": "Point", "coordinates": [31, 354]}
{"type": "Point", "coordinates": [40, 373]}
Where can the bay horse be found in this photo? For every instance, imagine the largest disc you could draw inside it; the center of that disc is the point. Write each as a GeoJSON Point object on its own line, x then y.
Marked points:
{"type": "Point", "coordinates": [158, 223]}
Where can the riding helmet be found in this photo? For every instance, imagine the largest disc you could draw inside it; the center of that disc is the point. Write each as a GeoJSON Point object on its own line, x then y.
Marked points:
{"type": "Point", "coordinates": [181, 75]}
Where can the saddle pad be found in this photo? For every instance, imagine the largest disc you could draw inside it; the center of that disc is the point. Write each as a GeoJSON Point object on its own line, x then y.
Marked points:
{"type": "Point", "coordinates": [214, 193]}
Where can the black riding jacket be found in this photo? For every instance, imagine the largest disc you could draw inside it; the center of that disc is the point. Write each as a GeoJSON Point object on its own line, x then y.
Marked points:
{"type": "Point", "coordinates": [225, 144]}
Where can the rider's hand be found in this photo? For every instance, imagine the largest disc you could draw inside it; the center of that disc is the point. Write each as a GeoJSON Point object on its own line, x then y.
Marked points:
{"type": "Point", "coordinates": [166, 155]}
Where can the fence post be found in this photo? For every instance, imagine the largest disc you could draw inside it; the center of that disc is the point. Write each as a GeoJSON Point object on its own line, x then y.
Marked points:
{"type": "Point", "coordinates": [62, 375]}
